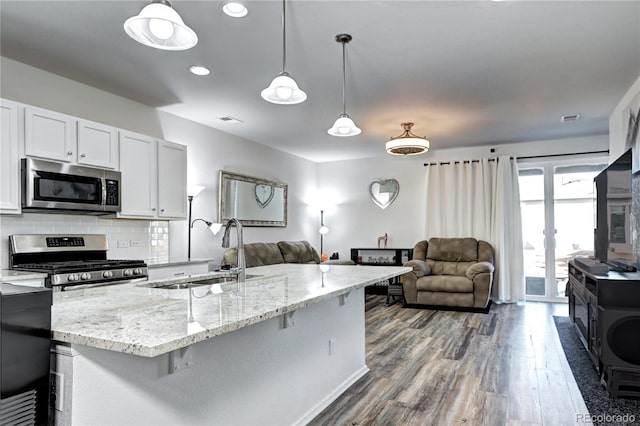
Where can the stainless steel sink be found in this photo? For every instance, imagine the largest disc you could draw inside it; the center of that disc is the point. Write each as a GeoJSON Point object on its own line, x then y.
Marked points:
{"type": "Point", "coordinates": [192, 284]}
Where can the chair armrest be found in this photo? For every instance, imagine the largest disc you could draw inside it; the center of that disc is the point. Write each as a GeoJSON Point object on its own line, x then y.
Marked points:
{"type": "Point", "coordinates": [338, 262]}
{"type": "Point", "coordinates": [420, 267]}
{"type": "Point", "coordinates": [479, 268]}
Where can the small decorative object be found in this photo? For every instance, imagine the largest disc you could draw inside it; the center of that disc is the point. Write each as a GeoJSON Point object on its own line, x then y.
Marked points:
{"type": "Point", "coordinates": [383, 238]}
{"type": "Point", "coordinates": [264, 194]}
{"type": "Point", "coordinates": [324, 257]}
{"type": "Point", "coordinates": [383, 192]}
{"type": "Point", "coordinates": [335, 256]}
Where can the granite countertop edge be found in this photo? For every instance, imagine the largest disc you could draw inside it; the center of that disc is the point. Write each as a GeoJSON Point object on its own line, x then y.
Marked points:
{"type": "Point", "coordinates": [135, 348]}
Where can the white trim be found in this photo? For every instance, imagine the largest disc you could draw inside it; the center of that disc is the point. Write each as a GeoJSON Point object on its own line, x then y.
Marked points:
{"type": "Point", "coordinates": [330, 398]}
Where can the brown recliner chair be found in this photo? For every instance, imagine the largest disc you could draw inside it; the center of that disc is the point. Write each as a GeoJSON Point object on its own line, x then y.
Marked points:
{"type": "Point", "coordinates": [450, 272]}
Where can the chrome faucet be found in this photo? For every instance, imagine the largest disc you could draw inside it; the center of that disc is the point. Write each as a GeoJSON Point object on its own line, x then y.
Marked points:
{"type": "Point", "coordinates": [241, 264]}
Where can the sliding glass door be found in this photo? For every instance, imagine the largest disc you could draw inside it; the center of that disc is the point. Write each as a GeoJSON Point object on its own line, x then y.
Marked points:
{"type": "Point", "coordinates": [558, 218]}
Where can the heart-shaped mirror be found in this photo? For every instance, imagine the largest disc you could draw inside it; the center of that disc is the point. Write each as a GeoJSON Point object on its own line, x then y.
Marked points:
{"type": "Point", "coordinates": [264, 194]}
{"type": "Point", "coordinates": [383, 192]}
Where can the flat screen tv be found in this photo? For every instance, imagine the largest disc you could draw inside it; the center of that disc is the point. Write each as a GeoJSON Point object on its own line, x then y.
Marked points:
{"type": "Point", "coordinates": [612, 243]}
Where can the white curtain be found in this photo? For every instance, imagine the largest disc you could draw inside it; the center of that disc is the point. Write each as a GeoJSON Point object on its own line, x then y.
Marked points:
{"type": "Point", "coordinates": [481, 199]}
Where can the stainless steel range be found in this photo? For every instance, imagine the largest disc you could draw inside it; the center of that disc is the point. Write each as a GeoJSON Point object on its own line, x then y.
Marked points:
{"type": "Point", "coordinates": [72, 261]}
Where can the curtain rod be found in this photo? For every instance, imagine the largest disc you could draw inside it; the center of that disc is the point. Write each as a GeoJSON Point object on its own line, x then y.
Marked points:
{"type": "Point", "coordinates": [522, 158]}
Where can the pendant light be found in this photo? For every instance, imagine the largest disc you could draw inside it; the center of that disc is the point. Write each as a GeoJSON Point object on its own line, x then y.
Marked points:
{"type": "Point", "coordinates": [407, 143]}
{"type": "Point", "coordinates": [158, 25]}
{"type": "Point", "coordinates": [283, 89]}
{"type": "Point", "coordinates": [344, 125]}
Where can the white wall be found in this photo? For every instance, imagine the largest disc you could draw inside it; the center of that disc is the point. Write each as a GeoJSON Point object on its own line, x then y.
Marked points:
{"type": "Point", "coordinates": [619, 120]}
{"type": "Point", "coordinates": [209, 150]}
{"type": "Point", "coordinates": [357, 222]}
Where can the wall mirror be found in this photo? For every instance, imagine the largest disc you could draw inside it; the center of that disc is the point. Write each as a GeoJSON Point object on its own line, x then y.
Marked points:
{"type": "Point", "coordinates": [383, 192]}
{"type": "Point", "coordinates": [253, 201]}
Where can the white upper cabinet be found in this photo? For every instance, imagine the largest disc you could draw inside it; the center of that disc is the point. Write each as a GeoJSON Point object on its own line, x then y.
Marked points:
{"type": "Point", "coordinates": [172, 180]}
{"type": "Point", "coordinates": [97, 145]}
{"type": "Point", "coordinates": [154, 178]}
{"type": "Point", "coordinates": [9, 155]}
{"type": "Point", "coordinates": [60, 137]}
{"type": "Point", "coordinates": [138, 155]}
{"type": "Point", "coordinates": [49, 134]}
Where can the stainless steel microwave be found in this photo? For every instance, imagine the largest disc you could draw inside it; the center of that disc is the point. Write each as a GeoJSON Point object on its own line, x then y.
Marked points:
{"type": "Point", "coordinates": [59, 187]}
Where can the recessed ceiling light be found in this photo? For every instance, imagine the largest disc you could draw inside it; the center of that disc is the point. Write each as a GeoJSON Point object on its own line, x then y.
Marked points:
{"type": "Point", "coordinates": [199, 70]}
{"type": "Point", "coordinates": [235, 9]}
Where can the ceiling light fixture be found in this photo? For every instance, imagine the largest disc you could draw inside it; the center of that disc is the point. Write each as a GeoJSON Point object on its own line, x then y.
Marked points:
{"type": "Point", "coordinates": [344, 125]}
{"type": "Point", "coordinates": [199, 70]}
{"type": "Point", "coordinates": [283, 89]}
{"type": "Point", "coordinates": [235, 9]}
{"type": "Point", "coordinates": [407, 143]}
{"type": "Point", "coordinates": [159, 26]}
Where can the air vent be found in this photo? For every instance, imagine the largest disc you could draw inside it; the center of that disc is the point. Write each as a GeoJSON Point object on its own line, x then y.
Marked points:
{"type": "Point", "coordinates": [229, 119]}
{"type": "Point", "coordinates": [569, 117]}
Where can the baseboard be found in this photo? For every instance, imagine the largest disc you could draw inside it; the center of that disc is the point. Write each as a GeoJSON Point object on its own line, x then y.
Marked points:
{"type": "Point", "coordinates": [450, 308]}
{"type": "Point", "coordinates": [326, 401]}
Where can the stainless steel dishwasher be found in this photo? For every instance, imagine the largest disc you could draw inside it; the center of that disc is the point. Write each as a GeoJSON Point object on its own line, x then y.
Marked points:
{"type": "Point", "coordinates": [25, 340]}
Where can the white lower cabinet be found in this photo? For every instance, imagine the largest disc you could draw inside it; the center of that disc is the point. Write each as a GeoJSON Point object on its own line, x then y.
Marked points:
{"type": "Point", "coordinates": [154, 178]}
{"type": "Point", "coordinates": [9, 155]}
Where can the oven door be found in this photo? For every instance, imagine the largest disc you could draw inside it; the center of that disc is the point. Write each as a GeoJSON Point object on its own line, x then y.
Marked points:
{"type": "Point", "coordinates": [50, 185]}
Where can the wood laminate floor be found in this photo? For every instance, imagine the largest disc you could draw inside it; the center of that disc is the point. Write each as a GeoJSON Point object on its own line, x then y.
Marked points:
{"type": "Point", "coordinates": [449, 368]}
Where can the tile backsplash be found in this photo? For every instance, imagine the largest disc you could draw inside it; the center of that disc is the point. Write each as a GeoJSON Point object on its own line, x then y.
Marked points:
{"type": "Point", "coordinates": [128, 239]}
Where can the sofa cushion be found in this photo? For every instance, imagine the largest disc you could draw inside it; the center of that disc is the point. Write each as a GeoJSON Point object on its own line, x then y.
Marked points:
{"type": "Point", "coordinates": [445, 283]}
{"type": "Point", "coordinates": [298, 252]}
{"type": "Point", "coordinates": [256, 254]}
{"type": "Point", "coordinates": [448, 268]}
{"type": "Point", "coordinates": [453, 249]}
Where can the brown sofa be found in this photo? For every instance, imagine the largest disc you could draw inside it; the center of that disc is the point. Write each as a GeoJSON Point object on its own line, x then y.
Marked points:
{"type": "Point", "coordinates": [450, 272]}
{"type": "Point", "coordinates": [261, 254]}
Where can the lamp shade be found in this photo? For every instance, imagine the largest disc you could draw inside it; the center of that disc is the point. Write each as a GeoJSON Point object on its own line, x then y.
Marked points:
{"type": "Point", "coordinates": [344, 126]}
{"type": "Point", "coordinates": [283, 90]}
{"type": "Point", "coordinates": [194, 190]}
{"type": "Point", "coordinates": [407, 143]}
{"type": "Point", "coordinates": [159, 26]}
{"type": "Point", "coordinates": [323, 230]}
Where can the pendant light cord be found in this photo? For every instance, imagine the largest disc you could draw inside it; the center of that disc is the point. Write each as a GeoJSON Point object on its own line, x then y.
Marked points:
{"type": "Point", "coordinates": [284, 38]}
{"type": "Point", "coordinates": [344, 84]}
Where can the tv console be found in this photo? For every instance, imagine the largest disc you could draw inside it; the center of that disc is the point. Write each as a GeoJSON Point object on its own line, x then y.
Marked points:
{"type": "Point", "coordinates": [605, 309]}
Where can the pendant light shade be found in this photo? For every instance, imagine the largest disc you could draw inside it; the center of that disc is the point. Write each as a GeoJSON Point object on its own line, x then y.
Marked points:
{"type": "Point", "coordinates": [407, 143]}
{"type": "Point", "coordinates": [344, 125]}
{"type": "Point", "coordinates": [159, 26]}
{"type": "Point", "coordinates": [283, 89]}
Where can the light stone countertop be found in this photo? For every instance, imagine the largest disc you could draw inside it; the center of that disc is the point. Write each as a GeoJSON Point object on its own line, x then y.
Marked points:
{"type": "Point", "coordinates": [148, 322]}
{"type": "Point", "coordinates": [175, 261]}
{"type": "Point", "coordinates": [8, 275]}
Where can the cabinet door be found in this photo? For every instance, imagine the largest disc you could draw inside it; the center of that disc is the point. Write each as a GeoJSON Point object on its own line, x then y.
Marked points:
{"type": "Point", "coordinates": [139, 175]}
{"type": "Point", "coordinates": [49, 135]}
{"type": "Point", "coordinates": [172, 180]}
{"type": "Point", "coordinates": [97, 145]}
{"type": "Point", "coordinates": [10, 170]}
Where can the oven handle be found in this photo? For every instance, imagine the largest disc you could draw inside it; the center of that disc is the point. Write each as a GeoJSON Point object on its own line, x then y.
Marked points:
{"type": "Point", "coordinates": [72, 287]}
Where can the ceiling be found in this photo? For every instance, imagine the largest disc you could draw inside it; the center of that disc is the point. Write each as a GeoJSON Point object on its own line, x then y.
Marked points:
{"type": "Point", "coordinates": [467, 73]}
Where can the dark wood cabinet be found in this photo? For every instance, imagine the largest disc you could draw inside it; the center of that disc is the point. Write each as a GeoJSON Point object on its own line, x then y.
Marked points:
{"type": "Point", "coordinates": [605, 310]}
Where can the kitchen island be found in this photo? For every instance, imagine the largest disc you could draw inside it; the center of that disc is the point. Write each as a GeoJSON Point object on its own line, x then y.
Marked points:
{"type": "Point", "coordinates": [276, 350]}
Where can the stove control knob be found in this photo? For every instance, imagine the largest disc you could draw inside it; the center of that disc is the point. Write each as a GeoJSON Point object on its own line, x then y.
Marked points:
{"type": "Point", "coordinates": [127, 272]}
{"type": "Point", "coordinates": [137, 271]}
{"type": "Point", "coordinates": [85, 276]}
{"type": "Point", "coordinates": [107, 274]}
{"type": "Point", "coordinates": [72, 277]}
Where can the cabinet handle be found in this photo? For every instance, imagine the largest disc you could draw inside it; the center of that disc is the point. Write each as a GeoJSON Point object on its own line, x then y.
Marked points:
{"type": "Point", "coordinates": [83, 155]}
{"type": "Point", "coordinates": [69, 152]}
{"type": "Point", "coordinates": [161, 210]}
{"type": "Point", "coordinates": [153, 209]}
